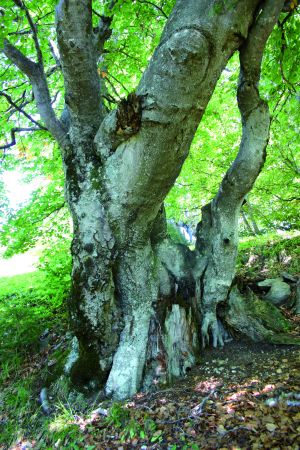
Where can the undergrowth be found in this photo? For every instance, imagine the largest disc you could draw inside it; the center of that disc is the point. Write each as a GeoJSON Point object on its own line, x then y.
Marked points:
{"type": "Point", "coordinates": [31, 306]}
{"type": "Point", "coordinates": [269, 256]}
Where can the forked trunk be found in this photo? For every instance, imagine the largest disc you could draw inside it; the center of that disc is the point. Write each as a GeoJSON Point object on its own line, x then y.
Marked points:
{"type": "Point", "coordinates": [217, 234]}
{"type": "Point", "coordinates": [133, 311]}
{"type": "Point", "coordinates": [138, 301]}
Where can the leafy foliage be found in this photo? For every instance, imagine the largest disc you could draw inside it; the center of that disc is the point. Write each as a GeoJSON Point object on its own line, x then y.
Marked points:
{"type": "Point", "coordinates": [272, 203]}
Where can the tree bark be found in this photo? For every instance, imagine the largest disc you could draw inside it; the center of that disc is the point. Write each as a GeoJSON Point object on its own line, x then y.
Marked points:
{"type": "Point", "coordinates": [217, 234]}
{"type": "Point", "coordinates": [174, 91]}
{"type": "Point", "coordinates": [136, 297]}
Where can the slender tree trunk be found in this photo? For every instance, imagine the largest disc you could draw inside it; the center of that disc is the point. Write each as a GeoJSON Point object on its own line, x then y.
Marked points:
{"type": "Point", "coordinates": [252, 218]}
{"type": "Point", "coordinates": [247, 224]}
{"type": "Point", "coordinates": [217, 234]}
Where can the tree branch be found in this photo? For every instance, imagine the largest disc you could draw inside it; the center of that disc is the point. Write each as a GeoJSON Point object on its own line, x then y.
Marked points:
{"type": "Point", "coordinates": [56, 210]}
{"type": "Point", "coordinates": [254, 111]}
{"type": "Point", "coordinates": [102, 32]}
{"type": "Point", "coordinates": [18, 108]}
{"type": "Point", "coordinates": [154, 6]}
{"type": "Point", "coordinates": [22, 6]}
{"type": "Point", "coordinates": [290, 85]}
{"type": "Point", "coordinates": [79, 66]}
{"type": "Point", "coordinates": [175, 89]}
{"type": "Point", "coordinates": [37, 77]}
{"type": "Point", "coordinates": [26, 65]}
{"type": "Point", "coordinates": [13, 132]}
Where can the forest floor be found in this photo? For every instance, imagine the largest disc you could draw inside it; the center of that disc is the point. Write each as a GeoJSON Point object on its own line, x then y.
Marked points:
{"type": "Point", "coordinates": [244, 396]}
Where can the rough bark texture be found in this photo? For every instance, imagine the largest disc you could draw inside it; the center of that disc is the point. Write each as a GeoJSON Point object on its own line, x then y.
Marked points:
{"type": "Point", "coordinates": [217, 234]}
{"type": "Point", "coordinates": [258, 319]}
{"type": "Point", "coordinates": [136, 297]}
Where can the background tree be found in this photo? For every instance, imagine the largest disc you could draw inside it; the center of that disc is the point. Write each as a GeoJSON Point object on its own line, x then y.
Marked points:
{"type": "Point", "coordinates": [135, 295]}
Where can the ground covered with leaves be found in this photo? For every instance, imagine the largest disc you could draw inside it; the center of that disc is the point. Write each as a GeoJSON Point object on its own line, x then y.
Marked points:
{"type": "Point", "coordinates": [243, 396]}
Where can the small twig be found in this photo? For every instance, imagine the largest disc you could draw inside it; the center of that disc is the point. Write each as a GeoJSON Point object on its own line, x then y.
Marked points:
{"type": "Point", "coordinates": [290, 85]}
{"type": "Point", "coordinates": [33, 28]}
{"type": "Point", "coordinates": [13, 132]}
{"type": "Point", "coordinates": [113, 88]}
{"type": "Point", "coordinates": [19, 33]}
{"type": "Point", "coordinates": [232, 430]}
{"type": "Point", "coordinates": [54, 55]}
{"type": "Point", "coordinates": [198, 410]}
{"type": "Point", "coordinates": [18, 108]}
{"type": "Point", "coordinates": [56, 210]}
{"type": "Point", "coordinates": [159, 8]}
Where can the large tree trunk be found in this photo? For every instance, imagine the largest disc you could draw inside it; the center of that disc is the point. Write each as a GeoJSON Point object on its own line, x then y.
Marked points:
{"type": "Point", "coordinates": [137, 314]}
{"type": "Point", "coordinates": [137, 298]}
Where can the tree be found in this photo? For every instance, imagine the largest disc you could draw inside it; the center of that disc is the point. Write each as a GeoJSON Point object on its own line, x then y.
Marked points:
{"type": "Point", "coordinates": [138, 301]}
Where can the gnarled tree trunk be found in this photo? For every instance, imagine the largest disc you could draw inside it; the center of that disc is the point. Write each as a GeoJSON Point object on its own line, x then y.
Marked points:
{"type": "Point", "coordinates": [217, 234]}
{"type": "Point", "coordinates": [137, 299]}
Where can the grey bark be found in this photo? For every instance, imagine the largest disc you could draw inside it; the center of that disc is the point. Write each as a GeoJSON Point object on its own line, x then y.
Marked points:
{"type": "Point", "coordinates": [175, 89]}
{"type": "Point", "coordinates": [217, 238]}
{"type": "Point", "coordinates": [78, 57]}
{"type": "Point", "coordinates": [133, 304]}
{"type": "Point", "coordinates": [35, 73]}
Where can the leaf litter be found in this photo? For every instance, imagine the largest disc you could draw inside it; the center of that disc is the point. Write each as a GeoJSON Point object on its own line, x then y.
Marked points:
{"type": "Point", "coordinates": [243, 396]}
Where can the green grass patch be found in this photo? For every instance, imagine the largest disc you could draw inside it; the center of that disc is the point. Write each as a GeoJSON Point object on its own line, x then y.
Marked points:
{"type": "Point", "coordinates": [28, 305]}
{"type": "Point", "coordinates": [269, 255]}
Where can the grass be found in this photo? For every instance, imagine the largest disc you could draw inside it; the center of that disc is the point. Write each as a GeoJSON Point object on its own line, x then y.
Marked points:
{"type": "Point", "coordinates": [267, 239]}
{"type": "Point", "coordinates": [269, 255]}
{"type": "Point", "coordinates": [29, 307]}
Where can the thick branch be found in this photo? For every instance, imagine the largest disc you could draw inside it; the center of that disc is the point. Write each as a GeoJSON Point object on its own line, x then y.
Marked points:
{"type": "Point", "coordinates": [78, 60]}
{"type": "Point", "coordinates": [38, 80]}
{"type": "Point", "coordinates": [254, 112]}
{"type": "Point", "coordinates": [251, 52]}
{"type": "Point", "coordinates": [175, 90]}
{"type": "Point", "coordinates": [217, 234]}
{"type": "Point", "coordinates": [102, 33]}
{"type": "Point", "coordinates": [21, 61]}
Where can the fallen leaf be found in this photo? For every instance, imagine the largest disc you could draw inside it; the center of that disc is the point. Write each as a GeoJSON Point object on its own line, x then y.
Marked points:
{"type": "Point", "coordinates": [271, 427]}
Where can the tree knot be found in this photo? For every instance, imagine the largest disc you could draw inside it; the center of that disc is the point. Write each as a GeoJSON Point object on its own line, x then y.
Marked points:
{"type": "Point", "coordinates": [129, 114]}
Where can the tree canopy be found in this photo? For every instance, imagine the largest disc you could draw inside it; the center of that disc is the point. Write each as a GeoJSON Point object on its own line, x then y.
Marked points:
{"type": "Point", "coordinates": [274, 199]}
